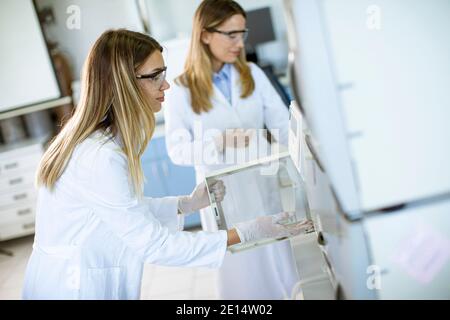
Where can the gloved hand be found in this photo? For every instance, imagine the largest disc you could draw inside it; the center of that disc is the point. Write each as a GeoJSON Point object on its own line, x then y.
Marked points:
{"type": "Point", "coordinates": [271, 227]}
{"type": "Point", "coordinates": [233, 138]}
{"type": "Point", "coordinates": [199, 199]}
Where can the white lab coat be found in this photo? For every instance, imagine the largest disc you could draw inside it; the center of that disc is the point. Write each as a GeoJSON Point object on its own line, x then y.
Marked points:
{"type": "Point", "coordinates": [264, 273]}
{"type": "Point", "coordinates": [93, 235]}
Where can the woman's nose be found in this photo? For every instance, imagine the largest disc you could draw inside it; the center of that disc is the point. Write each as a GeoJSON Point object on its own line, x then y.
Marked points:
{"type": "Point", "coordinates": [165, 86]}
{"type": "Point", "coordinates": [240, 43]}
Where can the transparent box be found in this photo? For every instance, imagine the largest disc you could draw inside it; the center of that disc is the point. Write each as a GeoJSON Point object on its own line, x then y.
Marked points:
{"type": "Point", "coordinates": [264, 187]}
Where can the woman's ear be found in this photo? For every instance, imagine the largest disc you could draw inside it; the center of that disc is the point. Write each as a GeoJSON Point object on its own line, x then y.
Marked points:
{"type": "Point", "coordinates": [205, 37]}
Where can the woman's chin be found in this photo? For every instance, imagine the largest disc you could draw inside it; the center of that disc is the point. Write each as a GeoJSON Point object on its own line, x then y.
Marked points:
{"type": "Point", "coordinates": [157, 107]}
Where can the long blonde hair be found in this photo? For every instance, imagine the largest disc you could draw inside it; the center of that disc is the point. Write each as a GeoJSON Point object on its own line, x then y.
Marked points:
{"type": "Point", "coordinates": [111, 101]}
{"type": "Point", "coordinates": [197, 75]}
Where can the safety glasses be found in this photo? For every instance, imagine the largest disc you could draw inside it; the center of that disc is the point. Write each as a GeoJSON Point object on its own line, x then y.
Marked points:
{"type": "Point", "coordinates": [234, 35]}
{"type": "Point", "coordinates": [156, 78]}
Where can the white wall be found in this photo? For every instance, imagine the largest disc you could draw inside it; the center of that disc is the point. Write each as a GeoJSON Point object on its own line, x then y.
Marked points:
{"type": "Point", "coordinates": [96, 16]}
{"type": "Point", "coordinates": [171, 18]}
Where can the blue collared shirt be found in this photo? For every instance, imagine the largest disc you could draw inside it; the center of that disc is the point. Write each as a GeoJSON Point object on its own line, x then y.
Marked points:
{"type": "Point", "coordinates": [222, 80]}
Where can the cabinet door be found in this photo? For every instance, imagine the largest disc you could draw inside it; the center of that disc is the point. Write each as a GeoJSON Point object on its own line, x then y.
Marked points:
{"type": "Point", "coordinates": [21, 227]}
{"type": "Point", "coordinates": [156, 149]}
{"type": "Point", "coordinates": [180, 181]}
{"type": "Point", "coordinates": [17, 197]}
{"type": "Point", "coordinates": [154, 185]}
{"type": "Point", "coordinates": [16, 181]}
{"type": "Point", "coordinates": [396, 115]}
{"type": "Point", "coordinates": [166, 179]}
{"type": "Point", "coordinates": [14, 214]}
{"type": "Point", "coordinates": [411, 250]}
{"type": "Point", "coordinates": [16, 164]}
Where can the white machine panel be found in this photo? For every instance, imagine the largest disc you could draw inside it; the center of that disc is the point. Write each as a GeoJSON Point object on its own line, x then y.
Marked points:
{"type": "Point", "coordinates": [393, 69]}
{"type": "Point", "coordinates": [376, 100]}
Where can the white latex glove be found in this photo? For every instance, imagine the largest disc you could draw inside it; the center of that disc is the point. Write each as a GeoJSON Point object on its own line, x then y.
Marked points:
{"type": "Point", "coordinates": [233, 138]}
{"type": "Point", "coordinates": [199, 197]}
{"type": "Point", "coordinates": [271, 227]}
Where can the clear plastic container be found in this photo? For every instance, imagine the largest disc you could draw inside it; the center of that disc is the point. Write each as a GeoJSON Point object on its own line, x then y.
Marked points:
{"type": "Point", "coordinates": [264, 187]}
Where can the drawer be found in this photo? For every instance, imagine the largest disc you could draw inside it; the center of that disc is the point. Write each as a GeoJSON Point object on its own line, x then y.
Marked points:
{"type": "Point", "coordinates": [18, 196]}
{"type": "Point", "coordinates": [19, 150]}
{"type": "Point", "coordinates": [16, 181]}
{"type": "Point", "coordinates": [20, 228]}
{"type": "Point", "coordinates": [18, 164]}
{"type": "Point", "coordinates": [16, 213]}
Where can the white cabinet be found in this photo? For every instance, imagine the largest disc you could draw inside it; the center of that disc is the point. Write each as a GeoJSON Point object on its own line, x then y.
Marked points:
{"type": "Point", "coordinates": [376, 99]}
{"type": "Point", "coordinates": [372, 82]}
{"type": "Point", "coordinates": [18, 165]}
{"type": "Point", "coordinates": [402, 253]}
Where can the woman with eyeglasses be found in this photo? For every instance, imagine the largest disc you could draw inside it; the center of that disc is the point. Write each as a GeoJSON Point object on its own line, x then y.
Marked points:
{"type": "Point", "coordinates": [94, 228]}
{"type": "Point", "coordinates": [212, 117]}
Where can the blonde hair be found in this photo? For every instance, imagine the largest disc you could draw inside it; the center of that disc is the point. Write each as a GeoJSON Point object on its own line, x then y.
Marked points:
{"type": "Point", "coordinates": [111, 101]}
{"type": "Point", "coordinates": [197, 75]}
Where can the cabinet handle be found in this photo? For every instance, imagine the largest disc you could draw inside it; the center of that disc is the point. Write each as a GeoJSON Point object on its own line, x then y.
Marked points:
{"type": "Point", "coordinates": [15, 181]}
{"type": "Point", "coordinates": [321, 239]}
{"type": "Point", "coordinates": [313, 152]}
{"type": "Point", "coordinates": [339, 293]}
{"type": "Point", "coordinates": [28, 225]}
{"type": "Point", "coordinates": [23, 212]}
{"type": "Point", "coordinates": [11, 165]}
{"type": "Point", "coordinates": [20, 196]}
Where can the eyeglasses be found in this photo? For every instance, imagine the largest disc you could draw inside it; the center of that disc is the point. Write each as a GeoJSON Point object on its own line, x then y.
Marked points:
{"type": "Point", "coordinates": [157, 78]}
{"type": "Point", "coordinates": [234, 35]}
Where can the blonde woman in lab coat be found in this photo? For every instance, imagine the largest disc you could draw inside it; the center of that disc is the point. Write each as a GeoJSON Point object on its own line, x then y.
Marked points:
{"type": "Point", "coordinates": [220, 97]}
{"type": "Point", "coordinates": [94, 228]}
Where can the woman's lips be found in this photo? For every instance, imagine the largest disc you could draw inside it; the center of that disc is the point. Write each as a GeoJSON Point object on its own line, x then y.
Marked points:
{"type": "Point", "coordinates": [160, 99]}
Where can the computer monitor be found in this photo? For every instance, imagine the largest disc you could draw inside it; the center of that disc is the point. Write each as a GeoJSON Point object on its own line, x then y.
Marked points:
{"type": "Point", "coordinates": [259, 23]}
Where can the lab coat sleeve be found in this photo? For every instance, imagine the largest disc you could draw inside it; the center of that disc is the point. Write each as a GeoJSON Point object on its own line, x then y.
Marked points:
{"type": "Point", "coordinates": [179, 124]}
{"type": "Point", "coordinates": [276, 115]}
{"type": "Point", "coordinates": [166, 211]}
{"type": "Point", "coordinates": [113, 201]}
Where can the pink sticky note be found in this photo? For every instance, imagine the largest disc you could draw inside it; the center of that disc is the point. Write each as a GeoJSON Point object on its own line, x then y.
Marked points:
{"type": "Point", "coordinates": [423, 253]}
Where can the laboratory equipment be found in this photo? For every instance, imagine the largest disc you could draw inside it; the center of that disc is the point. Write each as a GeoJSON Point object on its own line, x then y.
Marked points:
{"type": "Point", "coordinates": [370, 153]}
{"type": "Point", "coordinates": [266, 186]}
